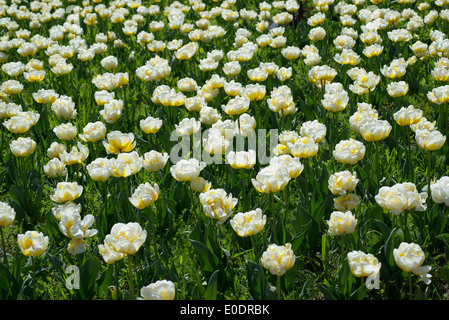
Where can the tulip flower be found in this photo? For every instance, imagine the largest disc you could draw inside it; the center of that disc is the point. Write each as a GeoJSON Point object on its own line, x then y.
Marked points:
{"type": "Point", "coordinates": [77, 229]}
{"type": "Point", "coordinates": [103, 96]}
{"type": "Point", "coordinates": [186, 170]}
{"type": "Point", "coordinates": [66, 191]}
{"type": "Point", "coordinates": [65, 131]}
{"type": "Point", "coordinates": [45, 96]}
{"type": "Point", "coordinates": [349, 151]}
{"type": "Point", "coordinates": [188, 126]}
{"type": "Point", "coordinates": [93, 132]}
{"type": "Point", "coordinates": [410, 257]}
{"type": "Point", "coordinates": [440, 190]}
{"type": "Point", "coordinates": [22, 147]}
{"type": "Point", "coordinates": [313, 130]}
{"type": "Point", "coordinates": [397, 89]}
{"type": "Point", "coordinates": [144, 195]}
{"type": "Point", "coordinates": [347, 202]}
{"type": "Point", "coordinates": [278, 259]}
{"type": "Point", "coordinates": [343, 182]}
{"type": "Point", "coordinates": [364, 265]}
{"type": "Point", "coordinates": [429, 140]}
{"type": "Point", "coordinates": [341, 223]}
{"type": "Point", "coordinates": [408, 116]}
{"type": "Point", "coordinates": [375, 130]}
{"type": "Point", "coordinates": [76, 155]}
{"type": "Point", "coordinates": [401, 197]}
{"type": "Point", "coordinates": [199, 184]}
{"type": "Point", "coordinates": [302, 148]}
{"type": "Point", "coordinates": [123, 240]}
{"type": "Point", "coordinates": [159, 290]}
{"type": "Point", "coordinates": [241, 159]}
{"type": "Point", "coordinates": [7, 216]}
{"type": "Point", "coordinates": [217, 204]}
{"type": "Point", "coordinates": [271, 179]}
{"type": "Point", "coordinates": [32, 244]}
{"type": "Point", "coordinates": [55, 168]}
{"type": "Point", "coordinates": [247, 224]}
{"type": "Point", "coordinates": [150, 125]}
{"type": "Point", "coordinates": [154, 161]}
{"type": "Point", "coordinates": [64, 107]}
{"type": "Point", "coordinates": [126, 164]}
{"type": "Point", "coordinates": [118, 142]}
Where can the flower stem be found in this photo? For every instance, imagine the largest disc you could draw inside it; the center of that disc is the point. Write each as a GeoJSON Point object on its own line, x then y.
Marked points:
{"type": "Point", "coordinates": [116, 280]}
{"type": "Point", "coordinates": [34, 278]}
{"type": "Point", "coordinates": [362, 288]}
{"type": "Point", "coordinates": [406, 233]}
{"type": "Point", "coordinates": [245, 203]}
{"type": "Point", "coordinates": [131, 280]}
{"type": "Point", "coordinates": [307, 183]}
{"type": "Point", "coordinates": [153, 244]}
{"type": "Point", "coordinates": [278, 286]}
{"type": "Point", "coordinates": [273, 221]}
{"type": "Point", "coordinates": [4, 247]}
{"type": "Point", "coordinates": [410, 286]}
{"type": "Point", "coordinates": [377, 155]}
{"type": "Point", "coordinates": [429, 163]}
{"type": "Point", "coordinates": [254, 249]}
{"type": "Point", "coordinates": [105, 197]}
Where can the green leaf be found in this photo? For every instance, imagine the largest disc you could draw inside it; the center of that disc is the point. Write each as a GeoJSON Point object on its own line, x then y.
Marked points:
{"type": "Point", "coordinates": [383, 228]}
{"type": "Point", "coordinates": [389, 246]}
{"type": "Point", "coordinates": [298, 239]}
{"type": "Point", "coordinates": [306, 224]}
{"type": "Point", "coordinates": [323, 182]}
{"type": "Point", "coordinates": [211, 290]}
{"type": "Point", "coordinates": [206, 258]}
{"type": "Point", "coordinates": [328, 292]}
{"type": "Point", "coordinates": [5, 278]}
{"type": "Point", "coordinates": [105, 281]}
{"type": "Point", "coordinates": [196, 293]}
{"type": "Point", "coordinates": [57, 265]}
{"type": "Point", "coordinates": [256, 280]}
{"type": "Point", "coordinates": [88, 277]}
{"type": "Point", "coordinates": [444, 237]}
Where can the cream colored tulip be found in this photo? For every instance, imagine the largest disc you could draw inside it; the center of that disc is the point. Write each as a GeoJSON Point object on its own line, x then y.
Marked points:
{"type": "Point", "coordinates": [278, 259]}
{"type": "Point", "coordinates": [32, 243]}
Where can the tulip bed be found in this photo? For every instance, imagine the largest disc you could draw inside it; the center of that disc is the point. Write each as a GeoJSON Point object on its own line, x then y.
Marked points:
{"type": "Point", "coordinates": [121, 176]}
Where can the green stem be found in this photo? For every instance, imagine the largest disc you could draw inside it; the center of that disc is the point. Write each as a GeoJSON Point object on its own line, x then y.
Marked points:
{"type": "Point", "coordinates": [362, 288]}
{"type": "Point", "coordinates": [1, 140]}
{"type": "Point", "coordinates": [342, 259]}
{"type": "Point", "coordinates": [105, 199]}
{"type": "Point", "coordinates": [131, 280]}
{"type": "Point", "coordinates": [153, 244]}
{"type": "Point", "coordinates": [273, 221]}
{"type": "Point", "coordinates": [254, 248]}
{"type": "Point", "coordinates": [278, 286]}
{"type": "Point", "coordinates": [245, 203]}
{"type": "Point", "coordinates": [307, 183]}
{"type": "Point", "coordinates": [34, 278]}
{"type": "Point", "coordinates": [410, 288]}
{"type": "Point", "coordinates": [376, 144]}
{"type": "Point", "coordinates": [429, 163]}
{"type": "Point", "coordinates": [4, 247]}
{"type": "Point", "coordinates": [128, 205]}
{"type": "Point", "coordinates": [116, 279]}
{"type": "Point", "coordinates": [406, 233]}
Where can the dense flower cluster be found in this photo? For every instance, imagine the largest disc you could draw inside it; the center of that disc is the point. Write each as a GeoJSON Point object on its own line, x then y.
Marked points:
{"type": "Point", "coordinates": [99, 98]}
